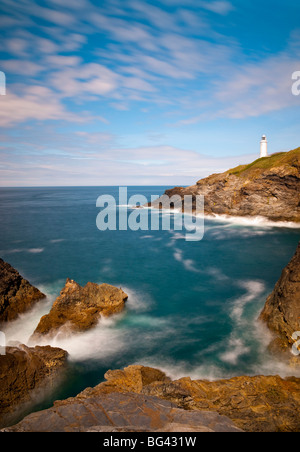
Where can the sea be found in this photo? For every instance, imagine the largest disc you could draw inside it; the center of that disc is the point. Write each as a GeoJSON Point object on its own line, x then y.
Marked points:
{"type": "Point", "coordinates": [192, 308]}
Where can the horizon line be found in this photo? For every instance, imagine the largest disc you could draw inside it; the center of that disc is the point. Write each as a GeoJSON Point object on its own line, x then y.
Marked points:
{"type": "Point", "coordinates": [87, 186]}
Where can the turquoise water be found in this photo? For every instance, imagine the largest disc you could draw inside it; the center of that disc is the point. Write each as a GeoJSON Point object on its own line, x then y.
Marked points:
{"type": "Point", "coordinates": [192, 306]}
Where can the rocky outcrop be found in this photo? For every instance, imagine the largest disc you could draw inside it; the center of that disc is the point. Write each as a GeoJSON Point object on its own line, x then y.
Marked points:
{"type": "Point", "coordinates": [23, 371]}
{"type": "Point", "coordinates": [144, 399]}
{"type": "Point", "coordinates": [262, 403]}
{"type": "Point", "coordinates": [282, 309]}
{"type": "Point", "coordinates": [122, 413]}
{"type": "Point", "coordinates": [268, 187]}
{"type": "Point", "coordinates": [254, 404]}
{"type": "Point", "coordinates": [78, 309]}
{"type": "Point", "coordinates": [16, 294]}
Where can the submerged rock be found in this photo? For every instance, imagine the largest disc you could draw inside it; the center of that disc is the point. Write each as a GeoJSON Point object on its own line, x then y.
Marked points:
{"type": "Point", "coordinates": [268, 187]}
{"type": "Point", "coordinates": [282, 309]}
{"type": "Point", "coordinates": [78, 309]}
{"type": "Point", "coordinates": [144, 399]}
{"type": "Point", "coordinates": [23, 371]}
{"type": "Point", "coordinates": [16, 294]}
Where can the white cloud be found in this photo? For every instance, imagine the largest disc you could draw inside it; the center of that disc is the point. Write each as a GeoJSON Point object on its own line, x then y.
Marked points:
{"type": "Point", "coordinates": [86, 79]}
{"type": "Point", "coordinates": [23, 67]}
{"type": "Point", "coordinates": [222, 7]}
{"type": "Point", "coordinates": [99, 139]}
{"type": "Point", "coordinates": [62, 60]}
{"type": "Point", "coordinates": [258, 88]}
{"type": "Point", "coordinates": [248, 90]}
{"type": "Point", "coordinates": [137, 84]}
{"type": "Point", "coordinates": [35, 103]}
{"type": "Point", "coordinates": [73, 4]}
{"type": "Point", "coordinates": [17, 46]}
{"type": "Point", "coordinates": [144, 59]}
{"type": "Point", "coordinates": [45, 46]}
{"type": "Point", "coordinates": [219, 7]}
{"type": "Point", "coordinates": [155, 15]}
{"type": "Point", "coordinates": [51, 15]}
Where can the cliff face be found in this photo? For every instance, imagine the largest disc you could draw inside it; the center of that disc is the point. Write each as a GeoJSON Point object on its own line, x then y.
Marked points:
{"type": "Point", "coordinates": [282, 309]}
{"type": "Point", "coordinates": [268, 187]}
{"type": "Point", "coordinates": [258, 404]}
{"type": "Point", "coordinates": [79, 308]}
{"type": "Point", "coordinates": [24, 369]}
{"type": "Point", "coordinates": [16, 294]}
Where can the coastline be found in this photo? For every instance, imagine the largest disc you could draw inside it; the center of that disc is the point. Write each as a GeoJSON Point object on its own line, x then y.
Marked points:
{"type": "Point", "coordinates": [238, 220]}
{"type": "Point", "coordinates": [248, 291]}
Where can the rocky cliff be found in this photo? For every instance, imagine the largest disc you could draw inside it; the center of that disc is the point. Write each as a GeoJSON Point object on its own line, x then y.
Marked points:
{"type": "Point", "coordinates": [79, 308]}
{"type": "Point", "coordinates": [16, 294]}
{"type": "Point", "coordinates": [144, 399]}
{"type": "Point", "coordinates": [282, 309]}
{"type": "Point", "coordinates": [268, 187]}
{"type": "Point", "coordinates": [24, 370]}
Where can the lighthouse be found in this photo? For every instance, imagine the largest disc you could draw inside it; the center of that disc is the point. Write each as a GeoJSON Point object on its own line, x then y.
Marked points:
{"type": "Point", "coordinates": [264, 147]}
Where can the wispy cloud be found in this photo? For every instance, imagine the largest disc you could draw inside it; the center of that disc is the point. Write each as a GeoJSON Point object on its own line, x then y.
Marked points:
{"type": "Point", "coordinates": [148, 50]}
{"type": "Point", "coordinates": [107, 76]}
{"type": "Point", "coordinates": [219, 7]}
{"type": "Point", "coordinates": [259, 88]}
{"type": "Point", "coordinates": [37, 103]}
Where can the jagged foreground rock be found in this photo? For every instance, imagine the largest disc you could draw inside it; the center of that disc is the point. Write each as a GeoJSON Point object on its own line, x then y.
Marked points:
{"type": "Point", "coordinates": [282, 309]}
{"type": "Point", "coordinates": [268, 187]}
{"type": "Point", "coordinates": [23, 370]}
{"type": "Point", "coordinates": [144, 399]}
{"type": "Point", "coordinates": [78, 309]}
{"type": "Point", "coordinates": [16, 294]}
{"type": "Point", "coordinates": [122, 413]}
{"type": "Point", "coordinates": [252, 403]}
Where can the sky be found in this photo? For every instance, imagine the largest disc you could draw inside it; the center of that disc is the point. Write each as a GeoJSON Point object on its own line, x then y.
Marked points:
{"type": "Point", "coordinates": [136, 92]}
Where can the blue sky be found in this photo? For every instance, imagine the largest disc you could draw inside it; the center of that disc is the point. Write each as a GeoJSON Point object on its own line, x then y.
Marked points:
{"type": "Point", "coordinates": [133, 92]}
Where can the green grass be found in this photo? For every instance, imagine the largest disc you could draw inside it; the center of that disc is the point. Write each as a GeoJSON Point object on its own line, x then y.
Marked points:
{"type": "Point", "coordinates": [266, 163]}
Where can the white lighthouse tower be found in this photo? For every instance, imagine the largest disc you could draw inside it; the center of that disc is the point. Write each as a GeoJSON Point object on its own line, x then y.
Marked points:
{"type": "Point", "coordinates": [264, 147]}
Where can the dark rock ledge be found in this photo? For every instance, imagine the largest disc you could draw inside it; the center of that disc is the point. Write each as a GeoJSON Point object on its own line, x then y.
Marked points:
{"type": "Point", "coordinates": [144, 399]}
{"type": "Point", "coordinates": [17, 295]}
{"type": "Point", "coordinates": [24, 372]}
{"type": "Point", "coordinates": [282, 309]}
